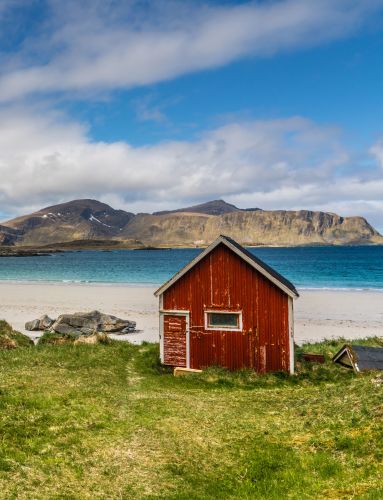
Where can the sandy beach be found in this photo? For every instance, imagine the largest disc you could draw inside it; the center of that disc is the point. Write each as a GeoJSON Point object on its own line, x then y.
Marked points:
{"type": "Point", "coordinates": [318, 314]}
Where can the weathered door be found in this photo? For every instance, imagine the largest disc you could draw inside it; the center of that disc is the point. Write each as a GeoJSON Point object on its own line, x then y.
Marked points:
{"type": "Point", "coordinates": [175, 337]}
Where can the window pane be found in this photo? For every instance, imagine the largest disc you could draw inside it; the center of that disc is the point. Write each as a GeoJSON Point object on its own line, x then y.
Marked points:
{"type": "Point", "coordinates": [220, 319]}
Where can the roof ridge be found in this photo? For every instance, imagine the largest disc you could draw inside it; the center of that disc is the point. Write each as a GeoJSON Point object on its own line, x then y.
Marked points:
{"type": "Point", "coordinates": [257, 263]}
{"type": "Point", "coordinates": [260, 262]}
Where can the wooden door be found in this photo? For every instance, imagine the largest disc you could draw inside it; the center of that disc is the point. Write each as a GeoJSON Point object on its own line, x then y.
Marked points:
{"type": "Point", "coordinates": [175, 334]}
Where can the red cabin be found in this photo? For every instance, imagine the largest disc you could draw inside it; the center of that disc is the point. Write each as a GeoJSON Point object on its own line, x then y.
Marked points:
{"type": "Point", "coordinates": [227, 308]}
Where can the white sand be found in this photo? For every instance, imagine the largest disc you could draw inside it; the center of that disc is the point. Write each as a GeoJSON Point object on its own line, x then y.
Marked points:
{"type": "Point", "coordinates": [318, 314]}
{"type": "Point", "coordinates": [333, 314]}
{"type": "Point", "coordinates": [21, 302]}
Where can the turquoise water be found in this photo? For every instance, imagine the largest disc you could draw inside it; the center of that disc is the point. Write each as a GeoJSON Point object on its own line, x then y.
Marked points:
{"type": "Point", "coordinates": [315, 267]}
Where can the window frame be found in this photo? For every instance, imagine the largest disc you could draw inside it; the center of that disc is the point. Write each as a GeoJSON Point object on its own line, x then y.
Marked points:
{"type": "Point", "coordinates": [239, 328]}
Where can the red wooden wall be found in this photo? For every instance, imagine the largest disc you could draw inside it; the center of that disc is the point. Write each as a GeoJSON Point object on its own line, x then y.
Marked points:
{"type": "Point", "coordinates": [222, 280]}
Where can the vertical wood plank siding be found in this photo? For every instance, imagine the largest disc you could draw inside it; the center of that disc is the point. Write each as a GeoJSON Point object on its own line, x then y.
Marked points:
{"type": "Point", "coordinates": [223, 281]}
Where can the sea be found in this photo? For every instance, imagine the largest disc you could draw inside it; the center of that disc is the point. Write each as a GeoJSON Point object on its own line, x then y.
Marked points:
{"type": "Point", "coordinates": [342, 268]}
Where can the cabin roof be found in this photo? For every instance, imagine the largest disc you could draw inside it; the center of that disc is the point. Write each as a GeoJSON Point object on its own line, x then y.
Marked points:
{"type": "Point", "coordinates": [360, 357]}
{"type": "Point", "coordinates": [260, 266]}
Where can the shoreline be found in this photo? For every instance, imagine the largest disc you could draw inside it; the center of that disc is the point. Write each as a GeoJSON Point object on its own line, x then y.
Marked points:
{"type": "Point", "coordinates": [303, 289]}
{"type": "Point", "coordinates": [319, 313]}
{"type": "Point", "coordinates": [80, 283]}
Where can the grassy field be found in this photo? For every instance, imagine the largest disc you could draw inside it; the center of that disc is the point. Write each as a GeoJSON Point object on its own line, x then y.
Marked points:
{"type": "Point", "coordinates": [105, 421]}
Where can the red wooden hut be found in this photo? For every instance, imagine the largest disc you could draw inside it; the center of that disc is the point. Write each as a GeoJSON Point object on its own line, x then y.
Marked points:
{"type": "Point", "coordinates": [227, 308]}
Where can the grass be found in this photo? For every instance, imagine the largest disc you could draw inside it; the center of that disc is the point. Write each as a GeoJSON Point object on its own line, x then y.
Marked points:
{"type": "Point", "coordinates": [10, 338]}
{"type": "Point", "coordinates": [107, 421]}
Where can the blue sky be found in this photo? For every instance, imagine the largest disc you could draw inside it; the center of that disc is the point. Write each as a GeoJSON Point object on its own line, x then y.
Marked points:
{"type": "Point", "coordinates": [340, 83]}
{"type": "Point", "coordinates": [151, 105]}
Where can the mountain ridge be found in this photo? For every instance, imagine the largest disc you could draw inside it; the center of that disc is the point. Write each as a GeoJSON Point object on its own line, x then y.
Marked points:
{"type": "Point", "coordinates": [90, 220]}
{"type": "Point", "coordinates": [214, 207]}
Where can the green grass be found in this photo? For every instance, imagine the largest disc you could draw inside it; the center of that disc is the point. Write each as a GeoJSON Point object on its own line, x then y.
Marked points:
{"type": "Point", "coordinates": [107, 421]}
{"type": "Point", "coordinates": [10, 338]}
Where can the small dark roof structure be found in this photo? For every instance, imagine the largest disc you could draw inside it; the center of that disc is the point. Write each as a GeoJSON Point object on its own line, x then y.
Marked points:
{"type": "Point", "coordinates": [360, 357]}
{"type": "Point", "coordinates": [251, 259]}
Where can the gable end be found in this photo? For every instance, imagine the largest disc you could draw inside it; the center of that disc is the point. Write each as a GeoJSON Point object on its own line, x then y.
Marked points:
{"type": "Point", "coordinates": [256, 263]}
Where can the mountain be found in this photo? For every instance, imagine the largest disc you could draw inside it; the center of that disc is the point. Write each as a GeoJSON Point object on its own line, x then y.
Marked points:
{"type": "Point", "coordinates": [215, 207]}
{"type": "Point", "coordinates": [82, 221]}
{"type": "Point", "coordinates": [74, 220]}
{"type": "Point", "coordinates": [259, 227]}
{"type": "Point", "coordinates": [8, 235]}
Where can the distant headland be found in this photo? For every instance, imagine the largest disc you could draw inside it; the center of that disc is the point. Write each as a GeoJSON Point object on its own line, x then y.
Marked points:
{"type": "Point", "coordinates": [91, 224]}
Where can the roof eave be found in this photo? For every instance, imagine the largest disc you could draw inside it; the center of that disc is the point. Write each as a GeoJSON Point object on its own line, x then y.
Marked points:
{"type": "Point", "coordinates": [186, 268]}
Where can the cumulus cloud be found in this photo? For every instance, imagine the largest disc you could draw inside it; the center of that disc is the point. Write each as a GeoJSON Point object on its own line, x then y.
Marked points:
{"type": "Point", "coordinates": [287, 163]}
{"type": "Point", "coordinates": [79, 48]}
{"type": "Point", "coordinates": [104, 45]}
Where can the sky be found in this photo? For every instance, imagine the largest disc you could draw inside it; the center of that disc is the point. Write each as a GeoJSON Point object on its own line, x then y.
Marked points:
{"type": "Point", "coordinates": [157, 104]}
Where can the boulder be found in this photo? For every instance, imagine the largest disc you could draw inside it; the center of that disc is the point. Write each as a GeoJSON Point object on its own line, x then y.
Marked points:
{"type": "Point", "coordinates": [111, 324]}
{"type": "Point", "coordinates": [41, 324]}
{"type": "Point", "coordinates": [79, 324]}
{"type": "Point", "coordinates": [46, 322]}
{"type": "Point", "coordinates": [33, 325]}
{"type": "Point", "coordinates": [64, 329]}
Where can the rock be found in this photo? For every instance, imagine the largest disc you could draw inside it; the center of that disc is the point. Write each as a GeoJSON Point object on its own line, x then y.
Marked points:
{"type": "Point", "coordinates": [33, 325]}
{"type": "Point", "coordinates": [75, 324]}
{"type": "Point", "coordinates": [89, 323]}
{"type": "Point", "coordinates": [41, 324]}
{"type": "Point", "coordinates": [46, 322]}
{"type": "Point", "coordinates": [64, 329]}
{"type": "Point", "coordinates": [128, 329]}
{"type": "Point", "coordinates": [112, 324]}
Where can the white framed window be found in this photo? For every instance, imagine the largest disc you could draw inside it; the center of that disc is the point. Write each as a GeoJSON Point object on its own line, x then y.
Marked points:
{"type": "Point", "coordinates": [223, 320]}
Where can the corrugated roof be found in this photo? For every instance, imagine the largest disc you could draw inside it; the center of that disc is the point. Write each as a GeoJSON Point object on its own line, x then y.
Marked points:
{"type": "Point", "coordinates": [254, 261]}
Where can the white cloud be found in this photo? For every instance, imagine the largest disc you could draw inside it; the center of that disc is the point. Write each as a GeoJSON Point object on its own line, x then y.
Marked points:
{"type": "Point", "coordinates": [278, 164]}
{"type": "Point", "coordinates": [377, 151]}
{"type": "Point", "coordinates": [99, 45]}
{"type": "Point", "coordinates": [151, 108]}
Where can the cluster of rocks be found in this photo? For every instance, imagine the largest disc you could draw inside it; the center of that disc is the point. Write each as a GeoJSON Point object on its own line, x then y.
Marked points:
{"type": "Point", "coordinates": [82, 324]}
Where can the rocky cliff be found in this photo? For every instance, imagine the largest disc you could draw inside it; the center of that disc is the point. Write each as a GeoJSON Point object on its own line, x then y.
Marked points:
{"type": "Point", "coordinates": [90, 220]}
{"type": "Point", "coordinates": [280, 228]}
{"type": "Point", "coordinates": [9, 236]}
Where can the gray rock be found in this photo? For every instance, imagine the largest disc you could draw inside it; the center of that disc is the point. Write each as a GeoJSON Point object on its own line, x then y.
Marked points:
{"type": "Point", "coordinates": [32, 326]}
{"type": "Point", "coordinates": [128, 329]}
{"type": "Point", "coordinates": [40, 324]}
{"type": "Point", "coordinates": [65, 329]}
{"type": "Point", "coordinates": [80, 323]}
{"type": "Point", "coordinates": [46, 322]}
{"type": "Point", "coordinates": [90, 323]}
{"type": "Point", "coordinates": [112, 324]}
